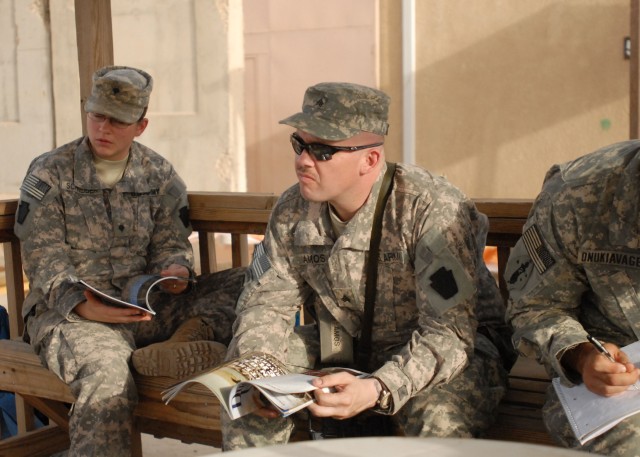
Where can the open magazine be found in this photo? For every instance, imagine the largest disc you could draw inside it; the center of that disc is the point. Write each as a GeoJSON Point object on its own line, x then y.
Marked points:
{"type": "Point", "coordinates": [139, 294]}
{"type": "Point", "coordinates": [244, 384]}
{"type": "Point", "coordinates": [590, 414]}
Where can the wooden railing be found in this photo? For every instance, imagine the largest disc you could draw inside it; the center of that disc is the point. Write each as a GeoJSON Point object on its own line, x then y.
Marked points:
{"type": "Point", "coordinates": [194, 415]}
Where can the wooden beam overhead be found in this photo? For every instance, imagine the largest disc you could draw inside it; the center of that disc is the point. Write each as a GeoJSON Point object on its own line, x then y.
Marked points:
{"type": "Point", "coordinates": [94, 34]}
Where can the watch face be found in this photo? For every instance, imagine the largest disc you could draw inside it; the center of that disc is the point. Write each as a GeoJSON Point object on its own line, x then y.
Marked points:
{"type": "Point", "coordinates": [384, 401]}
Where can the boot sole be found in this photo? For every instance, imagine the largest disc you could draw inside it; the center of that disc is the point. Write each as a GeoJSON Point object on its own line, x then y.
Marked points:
{"type": "Point", "coordinates": [178, 360]}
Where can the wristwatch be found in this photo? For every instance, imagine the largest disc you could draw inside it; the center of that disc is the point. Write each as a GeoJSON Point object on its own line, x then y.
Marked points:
{"type": "Point", "coordinates": [383, 404]}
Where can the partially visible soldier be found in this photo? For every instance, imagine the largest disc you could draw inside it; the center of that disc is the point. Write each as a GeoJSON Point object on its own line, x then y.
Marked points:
{"type": "Point", "coordinates": [575, 273]}
{"type": "Point", "coordinates": [106, 209]}
{"type": "Point", "coordinates": [433, 370]}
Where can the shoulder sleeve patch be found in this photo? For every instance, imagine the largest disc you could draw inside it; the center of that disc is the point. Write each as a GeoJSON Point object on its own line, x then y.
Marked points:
{"type": "Point", "coordinates": [23, 211]}
{"type": "Point", "coordinates": [35, 187]}
{"type": "Point", "coordinates": [176, 187]}
{"type": "Point", "coordinates": [521, 275]}
{"type": "Point", "coordinates": [539, 253]}
{"type": "Point", "coordinates": [184, 216]}
{"type": "Point", "coordinates": [445, 280]}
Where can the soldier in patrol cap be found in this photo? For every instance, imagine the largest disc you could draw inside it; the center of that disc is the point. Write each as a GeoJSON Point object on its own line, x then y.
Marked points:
{"type": "Point", "coordinates": [575, 272]}
{"type": "Point", "coordinates": [432, 369]}
{"type": "Point", "coordinates": [106, 209]}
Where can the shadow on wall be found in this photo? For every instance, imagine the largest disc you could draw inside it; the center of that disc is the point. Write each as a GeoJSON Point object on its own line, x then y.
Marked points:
{"type": "Point", "coordinates": [563, 61]}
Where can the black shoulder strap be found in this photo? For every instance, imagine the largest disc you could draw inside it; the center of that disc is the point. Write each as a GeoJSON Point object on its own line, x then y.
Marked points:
{"type": "Point", "coordinates": [364, 344]}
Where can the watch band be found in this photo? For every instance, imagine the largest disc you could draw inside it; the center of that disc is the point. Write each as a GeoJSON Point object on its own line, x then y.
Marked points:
{"type": "Point", "coordinates": [383, 404]}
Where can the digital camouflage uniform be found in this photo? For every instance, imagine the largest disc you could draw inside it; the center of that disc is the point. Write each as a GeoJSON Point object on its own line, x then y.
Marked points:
{"type": "Point", "coordinates": [445, 378]}
{"type": "Point", "coordinates": [575, 272]}
{"type": "Point", "coordinates": [69, 224]}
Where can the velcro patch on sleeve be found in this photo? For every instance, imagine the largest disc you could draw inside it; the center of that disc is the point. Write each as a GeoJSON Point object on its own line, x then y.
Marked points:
{"type": "Point", "coordinates": [539, 253]}
{"type": "Point", "coordinates": [35, 187]}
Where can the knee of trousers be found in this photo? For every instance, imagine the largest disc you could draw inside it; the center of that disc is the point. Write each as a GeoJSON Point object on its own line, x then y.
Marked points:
{"type": "Point", "coordinates": [102, 383]}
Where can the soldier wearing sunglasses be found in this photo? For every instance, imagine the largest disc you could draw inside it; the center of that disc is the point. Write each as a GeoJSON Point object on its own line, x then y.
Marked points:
{"type": "Point", "coordinates": [433, 370]}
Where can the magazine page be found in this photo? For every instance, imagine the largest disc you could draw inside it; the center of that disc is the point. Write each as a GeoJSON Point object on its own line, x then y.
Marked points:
{"type": "Point", "coordinates": [139, 292]}
{"type": "Point", "coordinates": [247, 383]}
{"type": "Point", "coordinates": [220, 381]}
{"type": "Point", "coordinates": [287, 393]}
{"type": "Point", "coordinates": [223, 379]}
{"type": "Point", "coordinates": [111, 300]}
{"type": "Point", "coordinates": [590, 414]}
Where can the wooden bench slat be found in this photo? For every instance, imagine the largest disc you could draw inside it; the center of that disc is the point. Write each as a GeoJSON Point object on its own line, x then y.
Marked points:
{"type": "Point", "coordinates": [524, 398]}
{"type": "Point", "coordinates": [527, 431]}
{"type": "Point", "coordinates": [21, 372]}
{"type": "Point", "coordinates": [57, 411]}
{"type": "Point", "coordinates": [37, 443]}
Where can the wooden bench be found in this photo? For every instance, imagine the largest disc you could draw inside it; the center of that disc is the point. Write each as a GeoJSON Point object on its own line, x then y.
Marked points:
{"type": "Point", "coordinates": [193, 416]}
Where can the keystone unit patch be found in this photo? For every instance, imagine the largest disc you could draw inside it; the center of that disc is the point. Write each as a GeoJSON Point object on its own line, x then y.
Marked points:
{"type": "Point", "coordinates": [23, 211]}
{"type": "Point", "coordinates": [444, 283]}
{"type": "Point", "coordinates": [184, 216]}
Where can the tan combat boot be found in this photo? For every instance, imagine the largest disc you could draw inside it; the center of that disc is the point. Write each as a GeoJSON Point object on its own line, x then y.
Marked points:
{"type": "Point", "coordinates": [190, 350]}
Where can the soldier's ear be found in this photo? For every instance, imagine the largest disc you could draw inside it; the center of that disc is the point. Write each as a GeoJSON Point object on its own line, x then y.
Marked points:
{"type": "Point", "coordinates": [373, 157]}
{"type": "Point", "coordinates": [141, 125]}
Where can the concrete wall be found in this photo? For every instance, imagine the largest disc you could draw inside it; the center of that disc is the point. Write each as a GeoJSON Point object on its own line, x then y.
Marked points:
{"type": "Point", "coordinates": [26, 108]}
{"type": "Point", "coordinates": [192, 48]}
{"type": "Point", "coordinates": [507, 88]}
{"type": "Point", "coordinates": [289, 46]}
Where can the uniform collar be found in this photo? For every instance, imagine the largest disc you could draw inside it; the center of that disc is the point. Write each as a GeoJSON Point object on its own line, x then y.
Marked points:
{"type": "Point", "coordinates": [315, 228]}
{"type": "Point", "coordinates": [85, 176]}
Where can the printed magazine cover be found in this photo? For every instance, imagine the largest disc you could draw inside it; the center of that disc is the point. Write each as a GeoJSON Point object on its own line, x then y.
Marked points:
{"type": "Point", "coordinates": [139, 294]}
{"type": "Point", "coordinates": [244, 384]}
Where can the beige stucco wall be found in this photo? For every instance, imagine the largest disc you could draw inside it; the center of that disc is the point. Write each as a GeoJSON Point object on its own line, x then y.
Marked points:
{"type": "Point", "coordinates": [26, 126]}
{"type": "Point", "coordinates": [289, 46]}
{"type": "Point", "coordinates": [192, 48]}
{"type": "Point", "coordinates": [507, 88]}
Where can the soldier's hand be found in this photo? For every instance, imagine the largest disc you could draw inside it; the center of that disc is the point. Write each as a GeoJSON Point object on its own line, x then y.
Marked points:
{"type": "Point", "coordinates": [342, 395]}
{"type": "Point", "coordinates": [175, 286]}
{"type": "Point", "coordinates": [95, 310]}
{"type": "Point", "coordinates": [604, 377]}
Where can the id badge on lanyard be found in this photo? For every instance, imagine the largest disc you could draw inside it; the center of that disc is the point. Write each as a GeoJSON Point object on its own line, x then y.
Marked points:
{"type": "Point", "coordinates": [336, 344]}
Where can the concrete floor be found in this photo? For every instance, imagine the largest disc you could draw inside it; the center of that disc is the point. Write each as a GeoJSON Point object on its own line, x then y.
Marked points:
{"type": "Point", "coordinates": [165, 447]}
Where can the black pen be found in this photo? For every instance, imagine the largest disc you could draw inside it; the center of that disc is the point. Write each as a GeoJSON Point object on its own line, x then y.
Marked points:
{"type": "Point", "coordinates": [601, 349]}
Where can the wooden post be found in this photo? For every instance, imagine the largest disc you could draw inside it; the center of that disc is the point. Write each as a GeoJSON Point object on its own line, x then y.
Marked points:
{"type": "Point", "coordinates": [95, 43]}
{"type": "Point", "coordinates": [15, 287]}
{"type": "Point", "coordinates": [239, 250]}
{"type": "Point", "coordinates": [634, 72]}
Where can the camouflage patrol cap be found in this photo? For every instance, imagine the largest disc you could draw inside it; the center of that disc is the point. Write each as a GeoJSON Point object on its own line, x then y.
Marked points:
{"type": "Point", "coordinates": [120, 92]}
{"type": "Point", "coordinates": [337, 111]}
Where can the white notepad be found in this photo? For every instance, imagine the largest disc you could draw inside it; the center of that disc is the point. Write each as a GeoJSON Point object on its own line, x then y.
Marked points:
{"type": "Point", "coordinates": [589, 414]}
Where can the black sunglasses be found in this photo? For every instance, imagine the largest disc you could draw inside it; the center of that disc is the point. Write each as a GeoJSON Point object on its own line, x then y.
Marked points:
{"type": "Point", "coordinates": [323, 151]}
